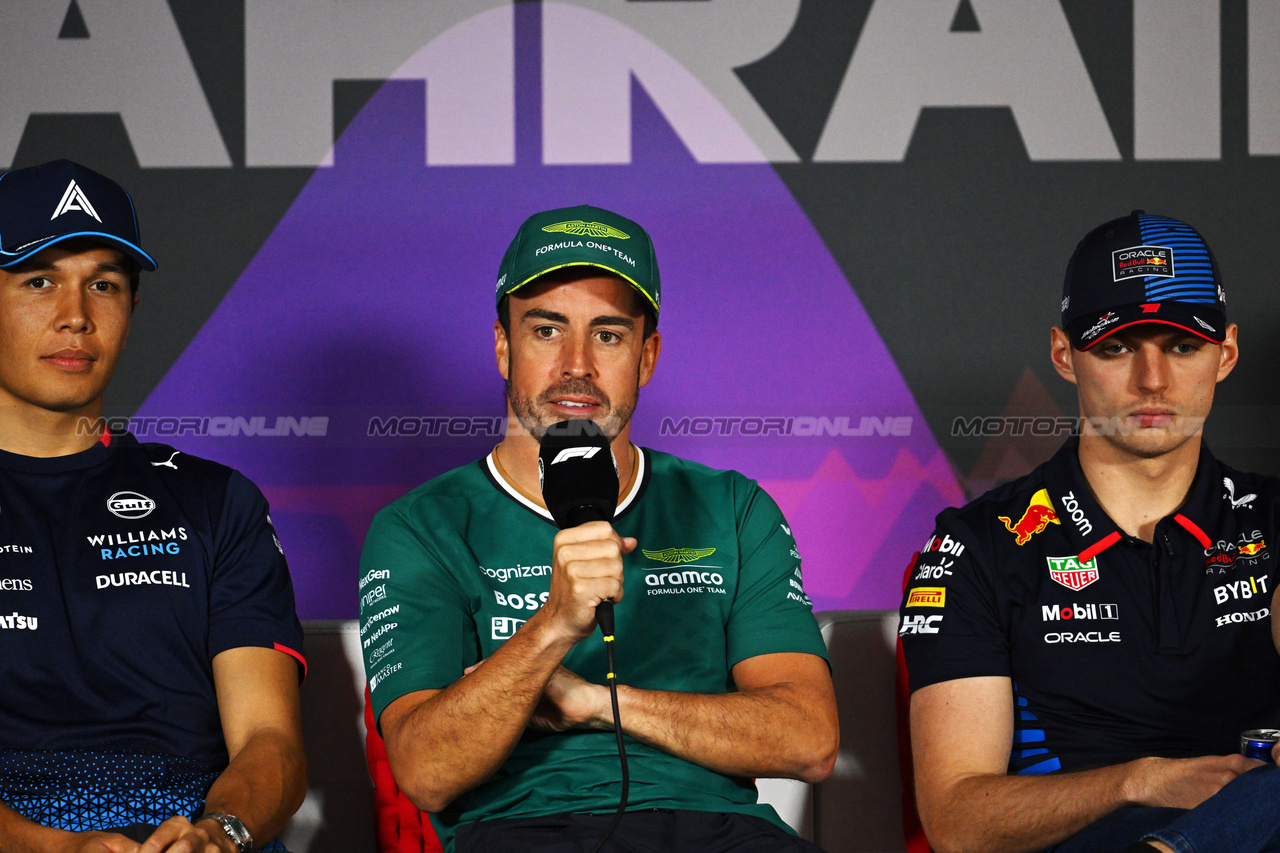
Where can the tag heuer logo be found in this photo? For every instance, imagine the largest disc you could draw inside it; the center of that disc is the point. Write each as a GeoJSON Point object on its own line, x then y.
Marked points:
{"type": "Point", "coordinates": [586, 229]}
{"type": "Point", "coordinates": [679, 555]}
{"type": "Point", "coordinates": [1072, 573]}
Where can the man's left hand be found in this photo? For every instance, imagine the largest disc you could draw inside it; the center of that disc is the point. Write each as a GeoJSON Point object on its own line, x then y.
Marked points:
{"type": "Point", "coordinates": [571, 701]}
{"type": "Point", "coordinates": [179, 835]}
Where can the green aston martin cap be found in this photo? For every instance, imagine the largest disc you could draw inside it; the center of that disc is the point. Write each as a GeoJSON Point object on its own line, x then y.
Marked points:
{"type": "Point", "coordinates": [582, 236]}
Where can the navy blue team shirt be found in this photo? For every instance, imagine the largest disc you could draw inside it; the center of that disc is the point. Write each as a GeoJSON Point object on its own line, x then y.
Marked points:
{"type": "Point", "coordinates": [1117, 648]}
{"type": "Point", "coordinates": [124, 569]}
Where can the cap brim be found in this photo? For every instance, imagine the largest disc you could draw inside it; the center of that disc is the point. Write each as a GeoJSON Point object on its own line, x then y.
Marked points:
{"type": "Point", "coordinates": [144, 260]}
{"type": "Point", "coordinates": [619, 273]}
{"type": "Point", "coordinates": [1205, 321]}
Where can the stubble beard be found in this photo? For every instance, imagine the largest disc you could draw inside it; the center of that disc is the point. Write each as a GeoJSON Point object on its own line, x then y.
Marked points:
{"type": "Point", "coordinates": [535, 417]}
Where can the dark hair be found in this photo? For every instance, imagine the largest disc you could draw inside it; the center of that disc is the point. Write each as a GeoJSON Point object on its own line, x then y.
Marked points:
{"type": "Point", "coordinates": [135, 275]}
{"type": "Point", "coordinates": [638, 302]}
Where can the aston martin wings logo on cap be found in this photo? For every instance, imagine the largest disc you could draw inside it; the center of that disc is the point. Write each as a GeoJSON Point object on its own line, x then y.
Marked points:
{"type": "Point", "coordinates": [588, 229]}
{"type": "Point", "coordinates": [679, 555]}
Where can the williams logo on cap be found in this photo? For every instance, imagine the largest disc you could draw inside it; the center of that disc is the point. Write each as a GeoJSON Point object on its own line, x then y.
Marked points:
{"type": "Point", "coordinates": [75, 199]}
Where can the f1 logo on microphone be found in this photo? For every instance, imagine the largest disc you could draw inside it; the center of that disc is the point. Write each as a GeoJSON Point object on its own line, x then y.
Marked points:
{"type": "Point", "coordinates": [574, 452]}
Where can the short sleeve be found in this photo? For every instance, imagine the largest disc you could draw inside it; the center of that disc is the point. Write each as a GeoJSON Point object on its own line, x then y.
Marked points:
{"type": "Point", "coordinates": [771, 612]}
{"type": "Point", "coordinates": [949, 621]}
{"type": "Point", "coordinates": [417, 631]}
{"type": "Point", "coordinates": [251, 594]}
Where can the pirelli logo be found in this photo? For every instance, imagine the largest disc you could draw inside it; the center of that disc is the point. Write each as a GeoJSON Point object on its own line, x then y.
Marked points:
{"type": "Point", "coordinates": [927, 596]}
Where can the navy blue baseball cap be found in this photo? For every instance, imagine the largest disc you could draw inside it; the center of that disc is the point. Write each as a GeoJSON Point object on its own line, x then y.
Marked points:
{"type": "Point", "coordinates": [44, 205]}
{"type": "Point", "coordinates": [1142, 268]}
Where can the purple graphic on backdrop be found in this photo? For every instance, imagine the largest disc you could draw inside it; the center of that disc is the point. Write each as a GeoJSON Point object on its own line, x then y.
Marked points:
{"type": "Point", "coordinates": [361, 336]}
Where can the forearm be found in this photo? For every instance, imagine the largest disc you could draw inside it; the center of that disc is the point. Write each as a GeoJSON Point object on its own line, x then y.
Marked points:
{"type": "Point", "coordinates": [263, 785]}
{"type": "Point", "coordinates": [1005, 814]}
{"type": "Point", "coordinates": [460, 735]}
{"type": "Point", "coordinates": [1275, 623]}
{"type": "Point", "coordinates": [776, 731]}
{"type": "Point", "coordinates": [19, 835]}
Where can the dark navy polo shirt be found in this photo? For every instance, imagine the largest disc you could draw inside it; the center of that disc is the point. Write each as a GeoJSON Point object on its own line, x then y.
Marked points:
{"type": "Point", "coordinates": [1117, 648]}
{"type": "Point", "coordinates": [124, 569]}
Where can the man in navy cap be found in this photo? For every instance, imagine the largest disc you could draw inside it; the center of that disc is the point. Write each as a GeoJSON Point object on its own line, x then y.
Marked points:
{"type": "Point", "coordinates": [149, 643]}
{"type": "Point", "coordinates": [1087, 644]}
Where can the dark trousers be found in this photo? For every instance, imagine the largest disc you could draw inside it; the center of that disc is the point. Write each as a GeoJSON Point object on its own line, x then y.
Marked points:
{"type": "Point", "coordinates": [1244, 817]}
{"type": "Point", "coordinates": [653, 831]}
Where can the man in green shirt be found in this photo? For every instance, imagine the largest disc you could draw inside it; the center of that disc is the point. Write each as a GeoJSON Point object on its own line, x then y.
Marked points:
{"type": "Point", "coordinates": [478, 615]}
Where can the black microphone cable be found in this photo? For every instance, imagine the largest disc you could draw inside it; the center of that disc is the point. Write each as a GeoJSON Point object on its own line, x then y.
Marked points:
{"type": "Point", "coordinates": [604, 614]}
{"type": "Point", "coordinates": [579, 480]}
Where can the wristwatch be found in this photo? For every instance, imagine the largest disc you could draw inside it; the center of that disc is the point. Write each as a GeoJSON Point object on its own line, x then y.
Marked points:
{"type": "Point", "coordinates": [234, 828]}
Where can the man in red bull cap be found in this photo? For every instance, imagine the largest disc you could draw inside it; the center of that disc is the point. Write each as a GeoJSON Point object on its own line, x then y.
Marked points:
{"type": "Point", "coordinates": [1086, 644]}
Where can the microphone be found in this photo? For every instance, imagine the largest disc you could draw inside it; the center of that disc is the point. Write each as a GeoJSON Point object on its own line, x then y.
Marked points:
{"type": "Point", "coordinates": [579, 478]}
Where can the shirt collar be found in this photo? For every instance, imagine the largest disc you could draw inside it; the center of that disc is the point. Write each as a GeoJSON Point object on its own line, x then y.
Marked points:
{"type": "Point", "coordinates": [638, 482]}
{"type": "Point", "coordinates": [1092, 531]}
{"type": "Point", "coordinates": [97, 453]}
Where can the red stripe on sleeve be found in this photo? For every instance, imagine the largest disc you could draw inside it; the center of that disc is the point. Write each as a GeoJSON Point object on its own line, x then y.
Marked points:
{"type": "Point", "coordinates": [298, 655]}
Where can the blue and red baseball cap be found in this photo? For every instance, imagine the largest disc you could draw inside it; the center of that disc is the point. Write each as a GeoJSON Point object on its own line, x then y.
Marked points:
{"type": "Point", "coordinates": [44, 205]}
{"type": "Point", "coordinates": [1142, 268]}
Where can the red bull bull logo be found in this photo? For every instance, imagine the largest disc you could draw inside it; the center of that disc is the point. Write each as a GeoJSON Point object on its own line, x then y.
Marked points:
{"type": "Point", "coordinates": [1251, 548]}
{"type": "Point", "coordinates": [1039, 515]}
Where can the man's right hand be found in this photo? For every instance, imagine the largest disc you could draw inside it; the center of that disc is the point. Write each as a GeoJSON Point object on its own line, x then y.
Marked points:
{"type": "Point", "coordinates": [1183, 783]}
{"type": "Point", "coordinates": [442, 742]}
{"type": "Point", "coordinates": [586, 569]}
{"type": "Point", "coordinates": [95, 842]}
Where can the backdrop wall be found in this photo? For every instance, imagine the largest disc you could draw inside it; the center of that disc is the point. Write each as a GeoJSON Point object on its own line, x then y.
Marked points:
{"type": "Point", "coordinates": [862, 212]}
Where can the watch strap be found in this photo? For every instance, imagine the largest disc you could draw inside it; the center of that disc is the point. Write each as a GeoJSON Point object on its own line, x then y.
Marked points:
{"type": "Point", "coordinates": [234, 828]}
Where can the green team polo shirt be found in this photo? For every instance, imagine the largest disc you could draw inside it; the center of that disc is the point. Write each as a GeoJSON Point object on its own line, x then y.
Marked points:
{"type": "Point", "coordinates": [454, 568]}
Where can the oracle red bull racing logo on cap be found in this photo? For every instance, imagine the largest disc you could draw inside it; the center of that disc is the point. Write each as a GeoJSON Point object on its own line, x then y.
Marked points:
{"type": "Point", "coordinates": [1142, 260]}
{"type": "Point", "coordinates": [1072, 573]}
{"type": "Point", "coordinates": [1038, 515]}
